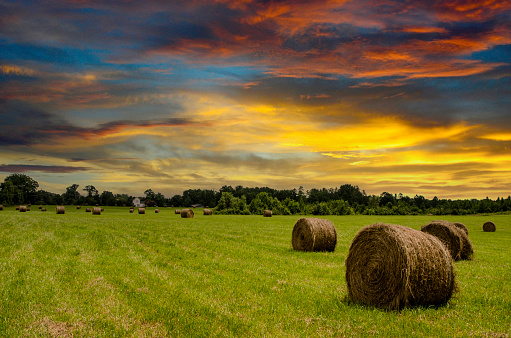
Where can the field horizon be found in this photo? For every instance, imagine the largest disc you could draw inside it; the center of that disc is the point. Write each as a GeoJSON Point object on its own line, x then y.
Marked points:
{"type": "Point", "coordinates": [157, 274]}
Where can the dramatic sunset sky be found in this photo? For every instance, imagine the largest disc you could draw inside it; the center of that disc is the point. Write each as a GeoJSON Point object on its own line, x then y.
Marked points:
{"type": "Point", "coordinates": [400, 96]}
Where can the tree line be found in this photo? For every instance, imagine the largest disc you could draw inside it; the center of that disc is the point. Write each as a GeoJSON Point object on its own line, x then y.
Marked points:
{"type": "Point", "coordinates": [348, 199]}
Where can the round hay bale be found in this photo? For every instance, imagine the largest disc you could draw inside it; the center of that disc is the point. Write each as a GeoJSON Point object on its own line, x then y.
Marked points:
{"type": "Point", "coordinates": [102, 209]}
{"type": "Point", "coordinates": [447, 234]}
{"type": "Point", "coordinates": [461, 226]}
{"type": "Point", "coordinates": [187, 213]}
{"type": "Point", "coordinates": [78, 207]}
{"type": "Point", "coordinates": [132, 210]}
{"type": "Point", "coordinates": [141, 211]}
{"type": "Point", "coordinates": [489, 226]}
{"type": "Point", "coordinates": [314, 234]}
{"type": "Point", "coordinates": [156, 211]}
{"type": "Point", "coordinates": [40, 207]}
{"type": "Point", "coordinates": [267, 213]}
{"type": "Point", "coordinates": [208, 212]}
{"type": "Point", "coordinates": [391, 267]}
{"type": "Point", "coordinates": [96, 211]}
{"type": "Point", "coordinates": [29, 205]}
{"type": "Point", "coordinates": [28, 209]}
{"type": "Point", "coordinates": [23, 208]}
{"type": "Point", "coordinates": [88, 210]}
{"type": "Point", "coordinates": [61, 210]}
{"type": "Point", "coordinates": [1, 207]}
{"type": "Point", "coordinates": [177, 211]}
{"type": "Point", "coordinates": [43, 209]}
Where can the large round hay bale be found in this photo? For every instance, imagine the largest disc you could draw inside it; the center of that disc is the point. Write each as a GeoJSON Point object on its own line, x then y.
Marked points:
{"type": "Point", "coordinates": [23, 208]}
{"type": "Point", "coordinates": [267, 213]}
{"type": "Point", "coordinates": [390, 267]}
{"type": "Point", "coordinates": [88, 210]}
{"type": "Point", "coordinates": [314, 234]}
{"type": "Point", "coordinates": [455, 239]}
{"type": "Point", "coordinates": [141, 211]}
{"type": "Point", "coordinates": [187, 213]}
{"type": "Point", "coordinates": [489, 226]}
{"type": "Point", "coordinates": [156, 211]}
{"type": "Point", "coordinates": [208, 212]}
{"type": "Point", "coordinates": [96, 211]}
{"type": "Point", "coordinates": [177, 211]}
{"type": "Point", "coordinates": [61, 210]}
{"type": "Point", "coordinates": [461, 226]}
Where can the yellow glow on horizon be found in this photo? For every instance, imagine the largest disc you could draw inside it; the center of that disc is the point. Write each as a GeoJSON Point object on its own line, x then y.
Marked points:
{"type": "Point", "coordinates": [498, 137]}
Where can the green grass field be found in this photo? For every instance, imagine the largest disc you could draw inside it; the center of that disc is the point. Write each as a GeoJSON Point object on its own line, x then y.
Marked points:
{"type": "Point", "coordinates": [154, 275]}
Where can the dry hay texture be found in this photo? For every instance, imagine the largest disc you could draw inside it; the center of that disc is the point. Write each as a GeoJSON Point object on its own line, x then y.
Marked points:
{"type": "Point", "coordinates": [208, 212]}
{"type": "Point", "coordinates": [61, 210]}
{"type": "Point", "coordinates": [489, 226]}
{"type": "Point", "coordinates": [461, 226]}
{"type": "Point", "coordinates": [96, 211]}
{"type": "Point", "coordinates": [314, 234]}
{"type": "Point", "coordinates": [391, 267]}
{"type": "Point", "coordinates": [141, 211]}
{"type": "Point", "coordinates": [23, 208]}
{"type": "Point", "coordinates": [178, 211]}
{"type": "Point", "coordinates": [187, 213]}
{"type": "Point", "coordinates": [455, 239]}
{"type": "Point", "coordinates": [267, 213]}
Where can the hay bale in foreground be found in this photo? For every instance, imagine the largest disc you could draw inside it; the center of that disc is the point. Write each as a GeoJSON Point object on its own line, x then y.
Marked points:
{"type": "Point", "coordinates": [267, 213]}
{"type": "Point", "coordinates": [187, 213]}
{"type": "Point", "coordinates": [461, 226]}
{"type": "Point", "coordinates": [96, 211]}
{"type": "Point", "coordinates": [208, 212]}
{"type": "Point", "coordinates": [391, 267]}
{"type": "Point", "coordinates": [22, 208]}
{"type": "Point", "coordinates": [141, 211]}
{"type": "Point", "coordinates": [314, 234]}
{"type": "Point", "coordinates": [177, 211]}
{"type": "Point", "coordinates": [61, 210]}
{"type": "Point", "coordinates": [455, 239]}
{"type": "Point", "coordinates": [489, 226]}
{"type": "Point", "coordinates": [88, 210]}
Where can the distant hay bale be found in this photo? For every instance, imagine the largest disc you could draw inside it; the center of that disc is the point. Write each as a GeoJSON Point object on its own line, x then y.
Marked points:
{"type": "Point", "coordinates": [29, 205]}
{"type": "Point", "coordinates": [102, 209]}
{"type": "Point", "coordinates": [88, 209]}
{"type": "Point", "coordinates": [40, 207]}
{"type": "Point", "coordinates": [28, 209]}
{"type": "Point", "coordinates": [78, 207]}
{"type": "Point", "coordinates": [489, 226]}
{"type": "Point", "coordinates": [1, 207]}
{"type": "Point", "coordinates": [187, 213]}
{"type": "Point", "coordinates": [96, 211]}
{"type": "Point", "coordinates": [267, 213]}
{"type": "Point", "coordinates": [455, 239]}
{"type": "Point", "coordinates": [141, 210]}
{"type": "Point", "coordinates": [131, 210]}
{"type": "Point", "coordinates": [23, 208]}
{"type": "Point", "coordinates": [177, 211]}
{"type": "Point", "coordinates": [391, 267]}
{"type": "Point", "coordinates": [461, 226]}
{"type": "Point", "coordinates": [314, 234]}
{"type": "Point", "coordinates": [208, 212]}
{"type": "Point", "coordinates": [43, 209]}
{"type": "Point", "coordinates": [156, 211]}
{"type": "Point", "coordinates": [61, 210]}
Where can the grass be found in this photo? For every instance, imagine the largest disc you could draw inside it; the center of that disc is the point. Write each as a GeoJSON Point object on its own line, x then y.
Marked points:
{"type": "Point", "coordinates": [153, 275]}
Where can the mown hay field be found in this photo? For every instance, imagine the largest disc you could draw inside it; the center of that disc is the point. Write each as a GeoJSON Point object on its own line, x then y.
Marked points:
{"type": "Point", "coordinates": [156, 274]}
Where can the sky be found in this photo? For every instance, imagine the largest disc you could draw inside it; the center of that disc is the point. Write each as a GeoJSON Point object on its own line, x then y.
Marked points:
{"type": "Point", "coordinates": [397, 96]}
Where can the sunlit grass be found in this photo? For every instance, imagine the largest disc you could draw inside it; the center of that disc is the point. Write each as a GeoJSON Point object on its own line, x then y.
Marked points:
{"type": "Point", "coordinates": [122, 274]}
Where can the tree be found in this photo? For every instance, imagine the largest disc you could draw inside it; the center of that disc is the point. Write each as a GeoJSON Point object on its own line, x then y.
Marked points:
{"type": "Point", "coordinates": [71, 196]}
{"type": "Point", "coordinates": [22, 187]}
